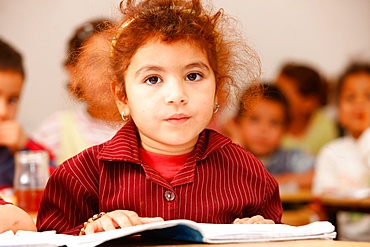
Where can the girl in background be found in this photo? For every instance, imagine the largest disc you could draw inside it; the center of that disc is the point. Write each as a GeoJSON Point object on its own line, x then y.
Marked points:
{"type": "Point", "coordinates": [343, 165]}
{"type": "Point", "coordinates": [66, 133]}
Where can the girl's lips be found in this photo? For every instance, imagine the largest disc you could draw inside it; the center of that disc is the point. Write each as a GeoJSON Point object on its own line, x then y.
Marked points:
{"type": "Point", "coordinates": [178, 118]}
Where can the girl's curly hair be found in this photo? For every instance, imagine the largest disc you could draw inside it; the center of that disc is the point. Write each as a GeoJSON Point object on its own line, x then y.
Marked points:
{"type": "Point", "coordinates": [234, 63]}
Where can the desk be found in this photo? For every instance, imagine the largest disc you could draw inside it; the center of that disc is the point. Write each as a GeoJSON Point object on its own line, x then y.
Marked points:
{"type": "Point", "coordinates": [307, 243]}
{"type": "Point", "coordinates": [296, 197]}
{"type": "Point", "coordinates": [295, 206]}
{"type": "Point", "coordinates": [332, 205]}
{"type": "Point", "coordinates": [346, 204]}
{"type": "Point", "coordinates": [299, 243]}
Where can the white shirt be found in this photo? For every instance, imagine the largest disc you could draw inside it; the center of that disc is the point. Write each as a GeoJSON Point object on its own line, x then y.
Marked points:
{"type": "Point", "coordinates": [342, 166]}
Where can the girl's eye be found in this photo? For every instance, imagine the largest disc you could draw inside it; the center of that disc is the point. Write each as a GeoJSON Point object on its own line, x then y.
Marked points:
{"type": "Point", "coordinates": [13, 100]}
{"type": "Point", "coordinates": [193, 77]}
{"type": "Point", "coordinates": [349, 97]}
{"type": "Point", "coordinates": [153, 80]}
{"type": "Point", "coordinates": [276, 123]}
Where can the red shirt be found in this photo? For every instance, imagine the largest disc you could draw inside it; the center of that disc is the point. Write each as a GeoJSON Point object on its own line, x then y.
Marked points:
{"type": "Point", "coordinates": [219, 182]}
{"type": "Point", "coordinates": [166, 166]}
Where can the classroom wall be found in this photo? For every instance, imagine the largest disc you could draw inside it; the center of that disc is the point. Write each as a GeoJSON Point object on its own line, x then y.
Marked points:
{"type": "Point", "coordinates": [325, 33]}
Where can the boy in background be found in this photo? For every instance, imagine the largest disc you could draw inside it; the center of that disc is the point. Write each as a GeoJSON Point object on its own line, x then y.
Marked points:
{"type": "Point", "coordinates": [259, 126]}
{"type": "Point", "coordinates": [12, 136]}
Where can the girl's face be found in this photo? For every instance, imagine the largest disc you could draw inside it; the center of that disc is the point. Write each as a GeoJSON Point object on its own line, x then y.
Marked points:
{"type": "Point", "coordinates": [262, 127]}
{"type": "Point", "coordinates": [354, 104]}
{"type": "Point", "coordinates": [170, 95]}
{"type": "Point", "coordinates": [10, 91]}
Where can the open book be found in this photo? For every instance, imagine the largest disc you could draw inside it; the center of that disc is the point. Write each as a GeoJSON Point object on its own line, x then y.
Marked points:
{"type": "Point", "coordinates": [184, 230]}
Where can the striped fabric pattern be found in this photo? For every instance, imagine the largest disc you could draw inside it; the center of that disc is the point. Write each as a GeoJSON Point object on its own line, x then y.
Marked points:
{"type": "Point", "coordinates": [219, 182]}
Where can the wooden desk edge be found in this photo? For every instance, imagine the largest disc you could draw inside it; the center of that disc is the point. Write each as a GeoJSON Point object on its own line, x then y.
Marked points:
{"type": "Point", "coordinates": [294, 243]}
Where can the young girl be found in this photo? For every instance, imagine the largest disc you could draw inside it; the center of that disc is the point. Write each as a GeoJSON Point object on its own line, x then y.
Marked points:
{"type": "Point", "coordinates": [343, 165]}
{"type": "Point", "coordinates": [172, 66]}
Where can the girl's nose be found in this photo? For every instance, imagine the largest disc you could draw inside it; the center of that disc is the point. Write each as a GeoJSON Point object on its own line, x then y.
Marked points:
{"type": "Point", "coordinates": [264, 126]}
{"type": "Point", "coordinates": [176, 92]}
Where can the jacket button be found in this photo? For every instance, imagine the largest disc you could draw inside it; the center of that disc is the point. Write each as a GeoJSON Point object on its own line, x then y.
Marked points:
{"type": "Point", "coordinates": [169, 195]}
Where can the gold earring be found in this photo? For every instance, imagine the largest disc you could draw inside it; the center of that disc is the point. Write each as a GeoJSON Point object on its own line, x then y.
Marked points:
{"type": "Point", "coordinates": [217, 106]}
{"type": "Point", "coordinates": [125, 118]}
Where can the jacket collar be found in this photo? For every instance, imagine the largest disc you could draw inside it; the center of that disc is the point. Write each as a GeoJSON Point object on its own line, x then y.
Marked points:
{"type": "Point", "coordinates": [124, 146]}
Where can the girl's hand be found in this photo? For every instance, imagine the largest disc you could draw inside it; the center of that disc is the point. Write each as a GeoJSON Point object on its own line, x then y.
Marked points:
{"type": "Point", "coordinates": [117, 219]}
{"type": "Point", "coordinates": [12, 135]}
{"type": "Point", "coordinates": [257, 219]}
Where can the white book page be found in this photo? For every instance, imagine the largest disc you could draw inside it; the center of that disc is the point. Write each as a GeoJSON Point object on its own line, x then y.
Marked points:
{"type": "Point", "coordinates": [266, 232]}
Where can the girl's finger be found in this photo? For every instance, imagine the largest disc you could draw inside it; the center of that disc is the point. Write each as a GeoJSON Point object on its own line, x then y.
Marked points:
{"type": "Point", "coordinates": [107, 222]}
{"type": "Point", "coordinates": [147, 220]}
{"type": "Point", "coordinates": [125, 218]}
{"type": "Point", "coordinates": [100, 225]}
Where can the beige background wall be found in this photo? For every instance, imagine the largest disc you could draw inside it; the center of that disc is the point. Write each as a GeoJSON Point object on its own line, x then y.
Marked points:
{"type": "Point", "coordinates": [324, 33]}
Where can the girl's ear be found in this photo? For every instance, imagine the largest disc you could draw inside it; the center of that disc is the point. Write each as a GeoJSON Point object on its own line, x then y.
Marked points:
{"type": "Point", "coordinates": [121, 101]}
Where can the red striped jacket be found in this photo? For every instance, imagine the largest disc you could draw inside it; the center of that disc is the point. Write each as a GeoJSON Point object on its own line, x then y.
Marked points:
{"type": "Point", "coordinates": [219, 182]}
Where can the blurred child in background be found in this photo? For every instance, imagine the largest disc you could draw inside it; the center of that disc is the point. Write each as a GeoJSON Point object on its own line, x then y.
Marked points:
{"type": "Point", "coordinates": [260, 124]}
{"type": "Point", "coordinates": [310, 127]}
{"type": "Point", "coordinates": [12, 136]}
{"type": "Point", "coordinates": [67, 133]}
{"type": "Point", "coordinates": [343, 165]}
